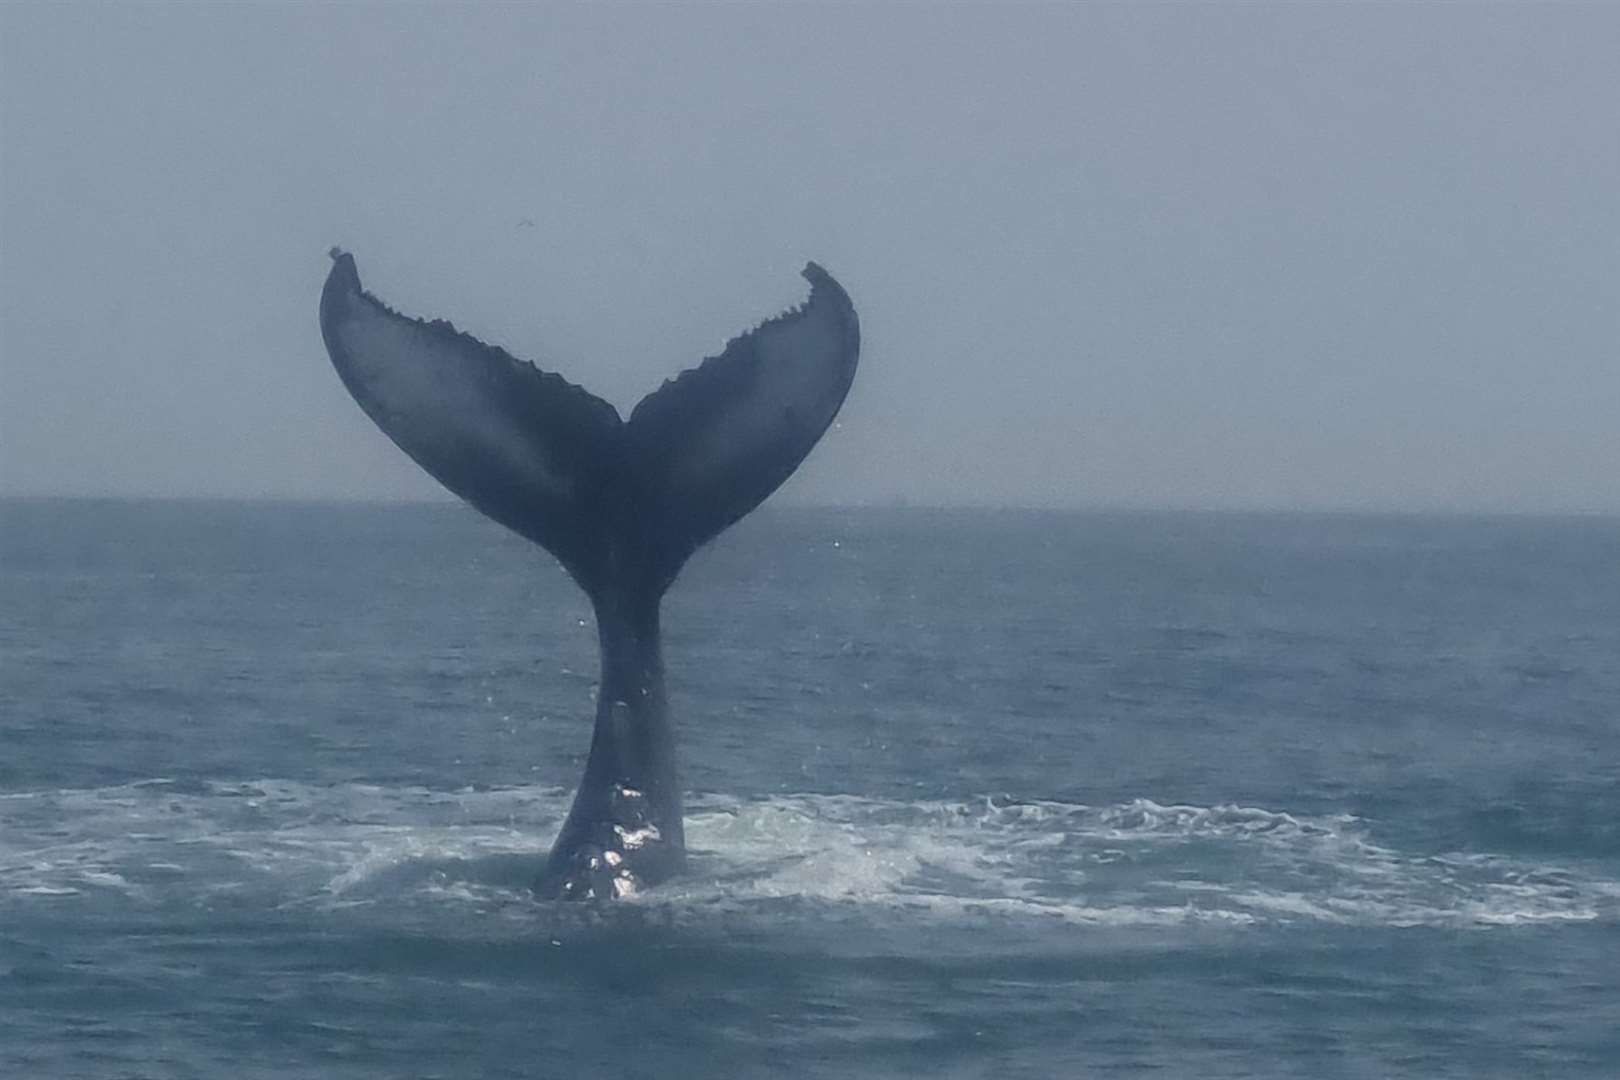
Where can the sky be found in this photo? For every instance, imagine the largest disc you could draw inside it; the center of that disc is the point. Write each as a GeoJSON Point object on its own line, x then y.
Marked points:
{"type": "Point", "coordinates": [1324, 256]}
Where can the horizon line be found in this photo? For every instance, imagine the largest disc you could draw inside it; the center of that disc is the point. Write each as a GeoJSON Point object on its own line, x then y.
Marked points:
{"type": "Point", "coordinates": [1097, 507]}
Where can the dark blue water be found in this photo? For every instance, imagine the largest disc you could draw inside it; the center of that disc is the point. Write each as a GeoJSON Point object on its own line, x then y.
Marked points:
{"type": "Point", "coordinates": [973, 794]}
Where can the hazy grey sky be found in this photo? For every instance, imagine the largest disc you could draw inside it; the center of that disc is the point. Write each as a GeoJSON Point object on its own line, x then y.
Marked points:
{"type": "Point", "coordinates": [1212, 255]}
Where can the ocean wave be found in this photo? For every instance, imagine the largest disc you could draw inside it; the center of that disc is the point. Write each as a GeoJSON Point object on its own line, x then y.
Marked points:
{"type": "Point", "coordinates": [279, 844]}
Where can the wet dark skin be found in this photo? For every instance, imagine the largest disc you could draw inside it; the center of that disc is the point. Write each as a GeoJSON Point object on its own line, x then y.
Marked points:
{"type": "Point", "coordinates": [621, 504]}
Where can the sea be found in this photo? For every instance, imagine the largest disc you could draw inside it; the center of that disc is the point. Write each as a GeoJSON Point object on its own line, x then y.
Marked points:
{"type": "Point", "coordinates": [972, 793]}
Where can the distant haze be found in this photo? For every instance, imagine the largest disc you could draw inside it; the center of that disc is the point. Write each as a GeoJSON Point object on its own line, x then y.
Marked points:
{"type": "Point", "coordinates": [1314, 255]}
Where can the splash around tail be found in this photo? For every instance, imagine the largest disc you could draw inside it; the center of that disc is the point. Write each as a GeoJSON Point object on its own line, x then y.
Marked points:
{"type": "Point", "coordinates": [621, 504]}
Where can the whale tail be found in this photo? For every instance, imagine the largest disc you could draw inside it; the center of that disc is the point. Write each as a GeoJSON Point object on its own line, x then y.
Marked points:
{"type": "Point", "coordinates": [621, 504]}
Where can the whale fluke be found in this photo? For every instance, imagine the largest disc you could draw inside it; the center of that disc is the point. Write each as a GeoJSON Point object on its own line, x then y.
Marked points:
{"type": "Point", "coordinates": [621, 504]}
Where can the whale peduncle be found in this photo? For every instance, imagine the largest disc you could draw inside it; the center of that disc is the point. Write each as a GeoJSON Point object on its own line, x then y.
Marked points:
{"type": "Point", "coordinates": [624, 831]}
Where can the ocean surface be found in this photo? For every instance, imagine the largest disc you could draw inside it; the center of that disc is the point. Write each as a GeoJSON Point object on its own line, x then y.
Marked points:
{"type": "Point", "coordinates": [972, 794]}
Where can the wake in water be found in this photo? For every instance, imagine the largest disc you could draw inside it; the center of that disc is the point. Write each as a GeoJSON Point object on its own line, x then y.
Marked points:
{"type": "Point", "coordinates": [412, 851]}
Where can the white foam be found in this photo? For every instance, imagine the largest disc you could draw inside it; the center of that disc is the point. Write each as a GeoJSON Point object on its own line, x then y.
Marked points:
{"type": "Point", "coordinates": [277, 843]}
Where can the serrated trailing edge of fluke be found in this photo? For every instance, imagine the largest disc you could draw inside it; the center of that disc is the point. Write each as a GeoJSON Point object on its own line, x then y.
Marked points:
{"type": "Point", "coordinates": [710, 368]}
{"type": "Point", "coordinates": [346, 272]}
